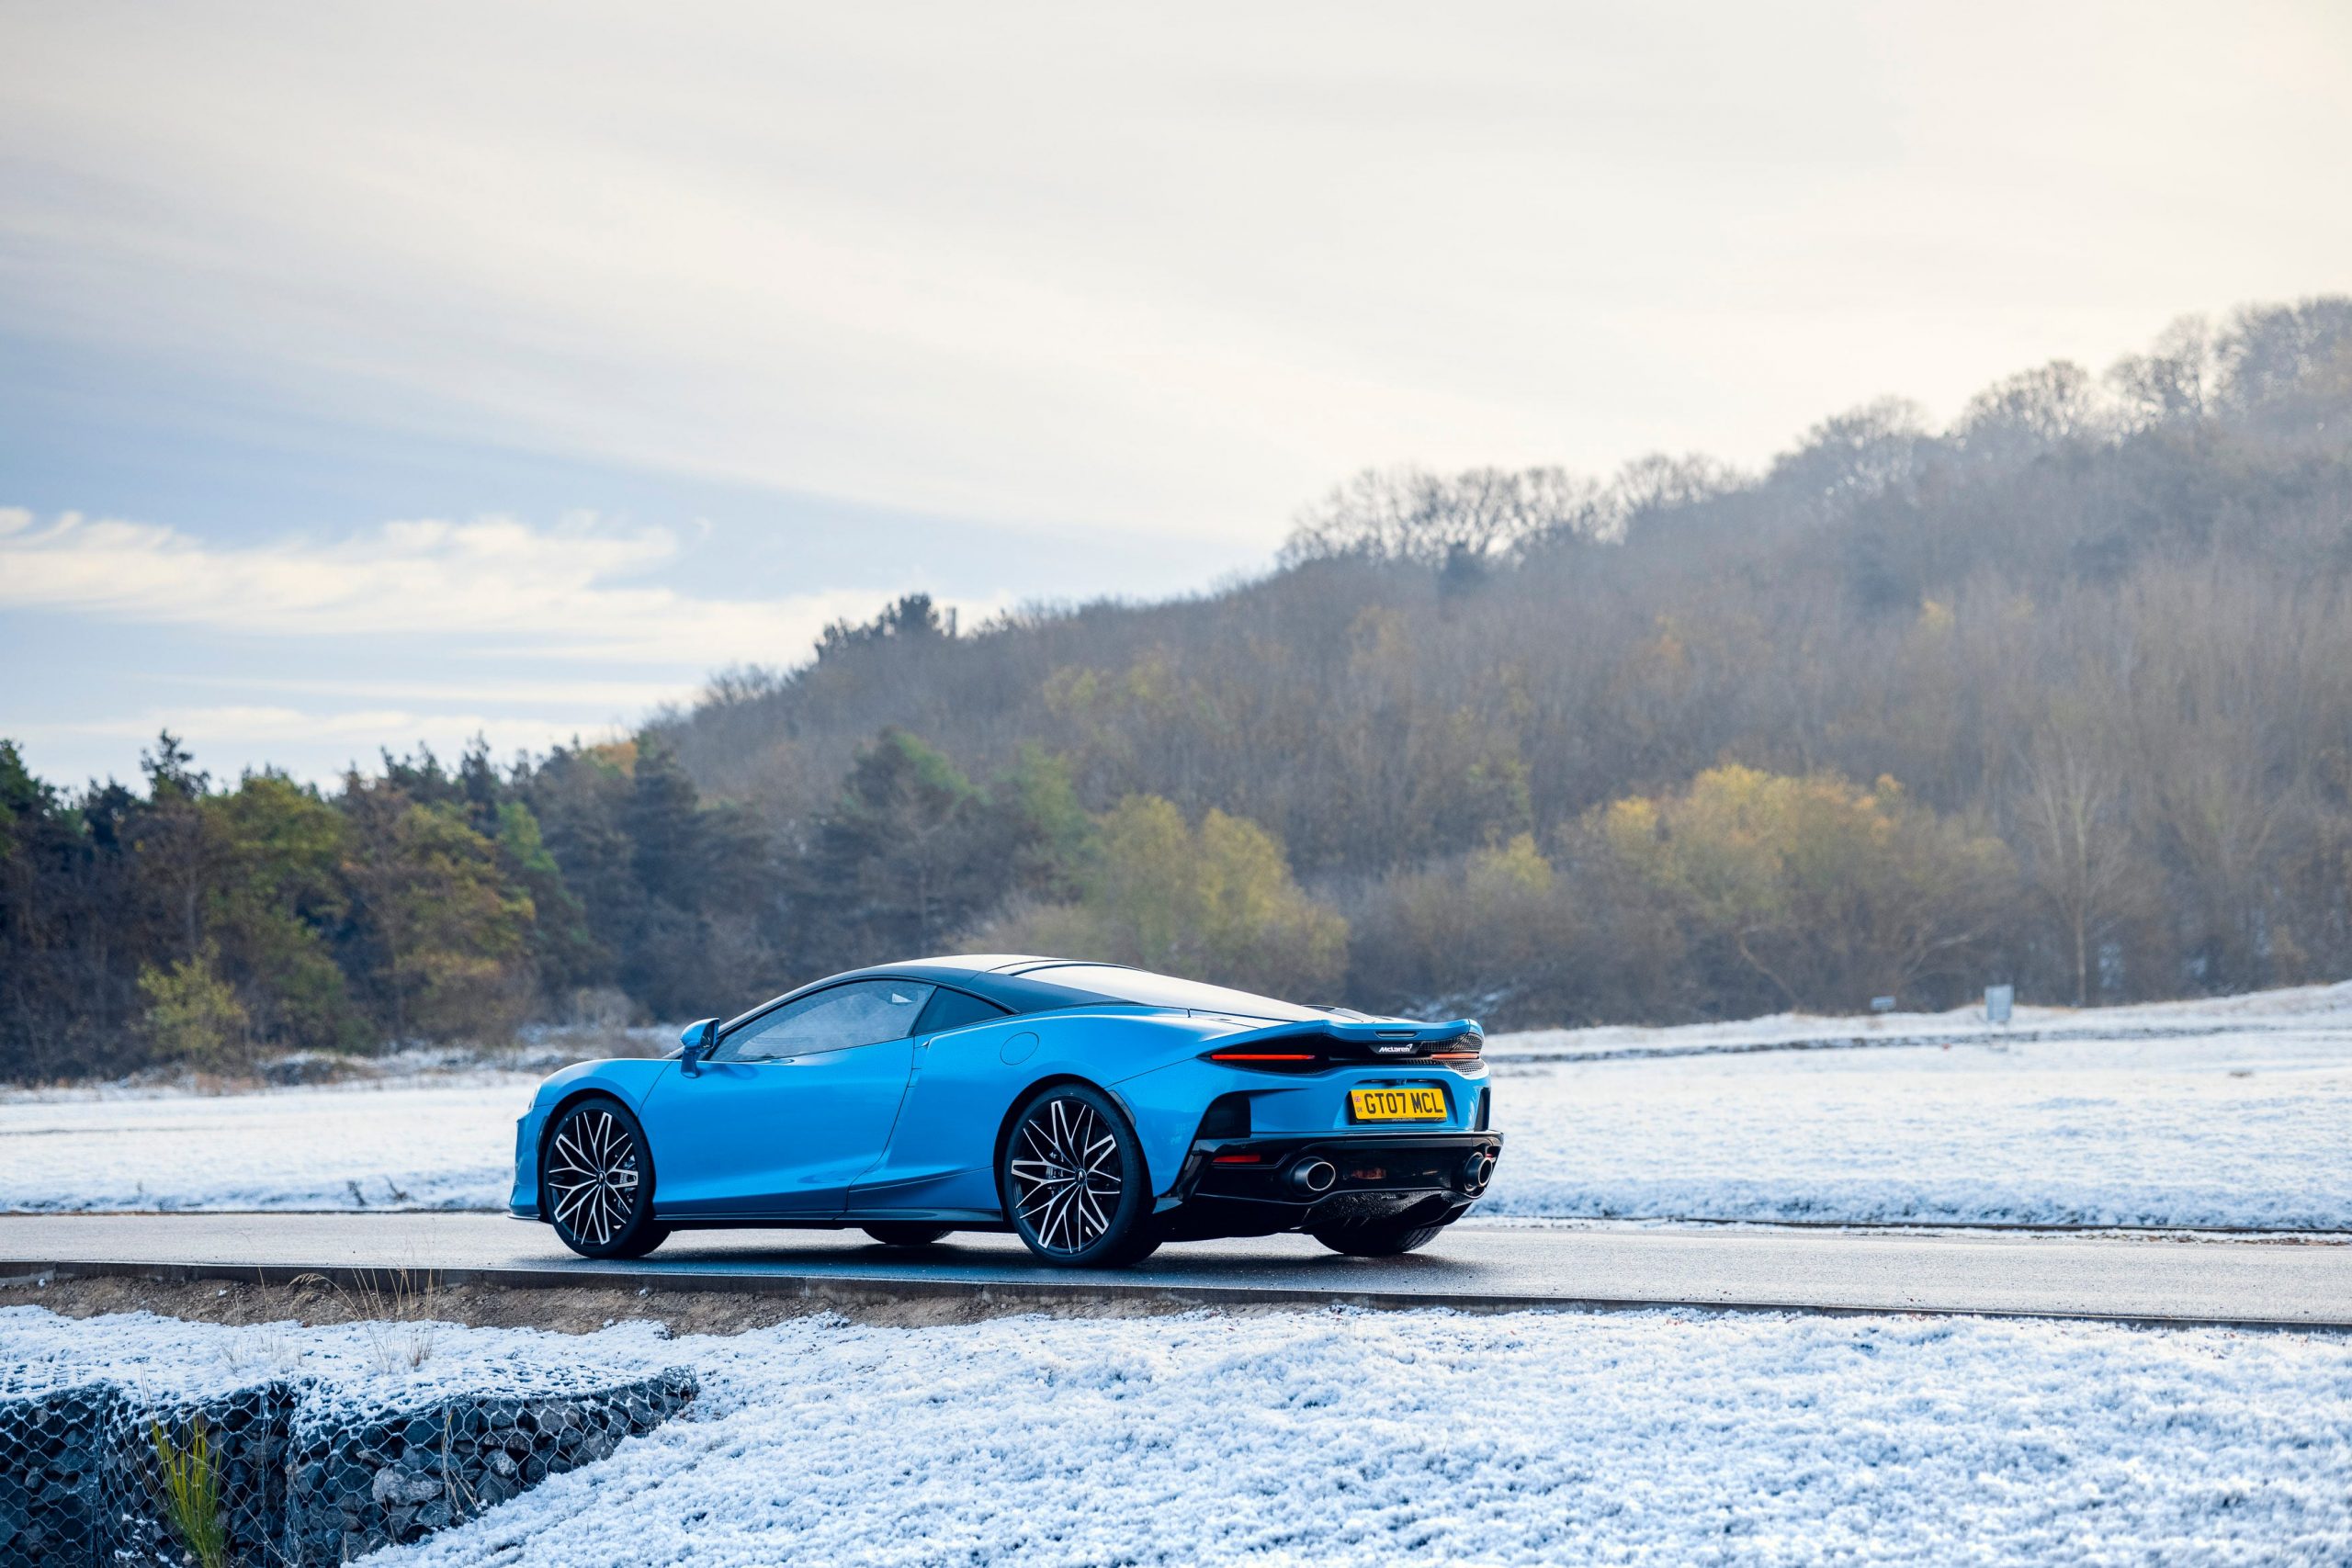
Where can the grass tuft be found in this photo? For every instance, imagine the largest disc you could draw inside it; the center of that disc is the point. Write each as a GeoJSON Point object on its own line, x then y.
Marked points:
{"type": "Point", "coordinates": [188, 1484]}
{"type": "Point", "coordinates": [398, 1310]}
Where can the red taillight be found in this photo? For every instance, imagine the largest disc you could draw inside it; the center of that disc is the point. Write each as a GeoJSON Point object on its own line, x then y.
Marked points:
{"type": "Point", "coordinates": [1263, 1056]}
{"type": "Point", "coordinates": [1239, 1159]}
{"type": "Point", "coordinates": [1453, 1055]}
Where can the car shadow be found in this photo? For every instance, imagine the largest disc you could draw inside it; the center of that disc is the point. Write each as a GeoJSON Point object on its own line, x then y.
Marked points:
{"type": "Point", "coordinates": [978, 1256]}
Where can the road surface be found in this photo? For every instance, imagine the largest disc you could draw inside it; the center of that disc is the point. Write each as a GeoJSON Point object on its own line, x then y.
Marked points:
{"type": "Point", "coordinates": [1473, 1266]}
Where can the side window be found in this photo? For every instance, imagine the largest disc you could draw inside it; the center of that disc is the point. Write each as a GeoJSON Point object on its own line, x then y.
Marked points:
{"type": "Point", "coordinates": [954, 1010]}
{"type": "Point", "coordinates": [863, 1012]}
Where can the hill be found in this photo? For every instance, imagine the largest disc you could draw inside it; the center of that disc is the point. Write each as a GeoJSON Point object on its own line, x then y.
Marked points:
{"type": "Point", "coordinates": [2060, 695]}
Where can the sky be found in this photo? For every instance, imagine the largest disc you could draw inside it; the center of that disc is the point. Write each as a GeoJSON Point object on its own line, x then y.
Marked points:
{"type": "Point", "coordinates": [384, 376]}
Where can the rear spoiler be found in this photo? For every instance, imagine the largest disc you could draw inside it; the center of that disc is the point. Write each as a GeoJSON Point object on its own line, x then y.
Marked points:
{"type": "Point", "coordinates": [1314, 1042]}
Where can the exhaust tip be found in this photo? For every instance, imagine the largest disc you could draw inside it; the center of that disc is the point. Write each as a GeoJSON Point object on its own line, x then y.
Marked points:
{"type": "Point", "coordinates": [1476, 1171]}
{"type": "Point", "coordinates": [1313, 1176]}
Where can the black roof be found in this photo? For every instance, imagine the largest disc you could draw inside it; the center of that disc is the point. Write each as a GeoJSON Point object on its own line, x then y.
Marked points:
{"type": "Point", "coordinates": [994, 978]}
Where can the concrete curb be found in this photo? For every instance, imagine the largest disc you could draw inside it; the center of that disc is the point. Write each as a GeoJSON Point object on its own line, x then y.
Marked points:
{"type": "Point", "coordinates": [851, 1289]}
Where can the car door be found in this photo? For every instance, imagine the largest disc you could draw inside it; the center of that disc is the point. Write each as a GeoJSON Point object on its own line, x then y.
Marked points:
{"type": "Point", "coordinates": [790, 1106]}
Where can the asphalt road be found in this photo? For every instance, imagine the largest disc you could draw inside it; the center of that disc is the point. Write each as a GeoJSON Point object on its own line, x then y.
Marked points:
{"type": "Point", "coordinates": [1486, 1267]}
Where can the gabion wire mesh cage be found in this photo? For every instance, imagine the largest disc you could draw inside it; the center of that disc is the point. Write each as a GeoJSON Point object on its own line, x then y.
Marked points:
{"type": "Point", "coordinates": [243, 1435]}
{"type": "Point", "coordinates": [360, 1479]}
{"type": "Point", "coordinates": [297, 1472]}
{"type": "Point", "coordinates": [50, 1463]}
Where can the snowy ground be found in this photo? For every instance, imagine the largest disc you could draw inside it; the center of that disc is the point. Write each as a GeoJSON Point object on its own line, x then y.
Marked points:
{"type": "Point", "coordinates": [2246, 1128]}
{"type": "Point", "coordinates": [2224, 1112]}
{"type": "Point", "coordinates": [412, 1359]}
{"type": "Point", "coordinates": [2327, 1009]}
{"type": "Point", "coordinates": [1424, 1438]}
{"type": "Point", "coordinates": [423, 1145]}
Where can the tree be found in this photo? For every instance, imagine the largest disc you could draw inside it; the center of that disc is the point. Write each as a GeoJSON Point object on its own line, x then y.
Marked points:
{"type": "Point", "coordinates": [914, 852]}
{"type": "Point", "coordinates": [2177, 379]}
{"type": "Point", "coordinates": [1215, 902]}
{"type": "Point", "coordinates": [1410, 515]}
{"type": "Point", "coordinates": [1830, 894]}
{"type": "Point", "coordinates": [2030, 411]}
{"type": "Point", "coordinates": [1852, 456]}
{"type": "Point", "coordinates": [176, 852]}
{"type": "Point", "coordinates": [192, 1014]}
{"type": "Point", "coordinates": [75, 928]}
{"type": "Point", "coordinates": [912, 621]}
{"type": "Point", "coordinates": [451, 935]}
{"type": "Point", "coordinates": [275, 905]}
{"type": "Point", "coordinates": [1493, 936]}
{"type": "Point", "coordinates": [2079, 855]}
{"type": "Point", "coordinates": [2279, 358]}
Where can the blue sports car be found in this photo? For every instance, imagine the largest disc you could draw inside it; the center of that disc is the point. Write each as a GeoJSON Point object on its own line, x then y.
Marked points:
{"type": "Point", "coordinates": [1093, 1111]}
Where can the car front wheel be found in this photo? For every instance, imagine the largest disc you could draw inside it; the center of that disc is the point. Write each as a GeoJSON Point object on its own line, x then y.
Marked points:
{"type": "Point", "coordinates": [1073, 1182]}
{"type": "Point", "coordinates": [597, 1189]}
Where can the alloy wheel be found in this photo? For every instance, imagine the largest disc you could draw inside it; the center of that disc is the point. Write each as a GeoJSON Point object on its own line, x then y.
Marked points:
{"type": "Point", "coordinates": [1068, 1177]}
{"type": "Point", "coordinates": [592, 1175]}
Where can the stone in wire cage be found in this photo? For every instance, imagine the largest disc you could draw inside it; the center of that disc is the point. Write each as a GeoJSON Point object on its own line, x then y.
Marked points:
{"type": "Point", "coordinates": [303, 1473]}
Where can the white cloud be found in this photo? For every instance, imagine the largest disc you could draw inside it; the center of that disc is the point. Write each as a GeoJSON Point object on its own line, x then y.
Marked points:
{"type": "Point", "coordinates": [579, 591]}
{"type": "Point", "coordinates": [606, 696]}
{"type": "Point", "coordinates": [1153, 269]}
{"type": "Point", "coordinates": [314, 744]}
{"type": "Point", "coordinates": [239, 724]}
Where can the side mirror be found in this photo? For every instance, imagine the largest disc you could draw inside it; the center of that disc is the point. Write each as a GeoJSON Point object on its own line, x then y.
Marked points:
{"type": "Point", "coordinates": [697, 1038]}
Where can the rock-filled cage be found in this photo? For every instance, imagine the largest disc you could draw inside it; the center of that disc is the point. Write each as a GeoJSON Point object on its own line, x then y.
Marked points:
{"type": "Point", "coordinates": [289, 1469]}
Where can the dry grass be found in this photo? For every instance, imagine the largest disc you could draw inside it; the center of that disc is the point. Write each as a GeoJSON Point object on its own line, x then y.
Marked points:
{"type": "Point", "coordinates": [399, 1310]}
{"type": "Point", "coordinates": [563, 1311]}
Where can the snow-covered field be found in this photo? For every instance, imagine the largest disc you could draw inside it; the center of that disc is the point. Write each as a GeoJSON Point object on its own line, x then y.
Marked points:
{"type": "Point", "coordinates": [2248, 1128]}
{"type": "Point", "coordinates": [1421, 1438]}
{"type": "Point", "coordinates": [2224, 1112]}
{"type": "Point", "coordinates": [427, 1143]}
{"type": "Point", "coordinates": [2321, 1007]}
{"type": "Point", "coordinates": [167, 1358]}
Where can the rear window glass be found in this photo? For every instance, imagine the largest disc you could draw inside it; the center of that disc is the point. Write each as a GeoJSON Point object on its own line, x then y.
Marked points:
{"type": "Point", "coordinates": [1148, 990]}
{"type": "Point", "coordinates": [954, 1010]}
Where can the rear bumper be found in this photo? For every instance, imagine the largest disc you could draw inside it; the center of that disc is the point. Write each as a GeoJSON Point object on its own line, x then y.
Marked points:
{"type": "Point", "coordinates": [1258, 1185]}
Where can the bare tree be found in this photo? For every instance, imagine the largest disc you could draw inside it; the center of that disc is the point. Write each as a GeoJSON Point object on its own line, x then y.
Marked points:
{"type": "Point", "coordinates": [1411, 514]}
{"type": "Point", "coordinates": [2030, 411]}
{"type": "Point", "coordinates": [2176, 380]}
{"type": "Point", "coordinates": [2079, 857]}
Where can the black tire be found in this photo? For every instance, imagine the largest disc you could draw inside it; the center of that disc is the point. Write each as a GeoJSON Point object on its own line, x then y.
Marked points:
{"type": "Point", "coordinates": [1375, 1238]}
{"type": "Point", "coordinates": [596, 1181]}
{"type": "Point", "coordinates": [895, 1232]}
{"type": "Point", "coordinates": [1072, 1179]}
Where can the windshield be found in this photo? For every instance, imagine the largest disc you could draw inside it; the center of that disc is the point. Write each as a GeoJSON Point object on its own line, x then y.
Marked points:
{"type": "Point", "coordinates": [1148, 990]}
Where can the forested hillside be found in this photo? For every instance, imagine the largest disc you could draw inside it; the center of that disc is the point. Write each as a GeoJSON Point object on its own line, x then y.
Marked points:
{"type": "Point", "coordinates": [2060, 694]}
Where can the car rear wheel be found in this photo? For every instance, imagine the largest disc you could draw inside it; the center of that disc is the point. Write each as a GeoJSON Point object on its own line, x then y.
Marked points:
{"type": "Point", "coordinates": [902, 1233]}
{"type": "Point", "coordinates": [597, 1183]}
{"type": "Point", "coordinates": [1375, 1238]}
{"type": "Point", "coordinates": [1073, 1182]}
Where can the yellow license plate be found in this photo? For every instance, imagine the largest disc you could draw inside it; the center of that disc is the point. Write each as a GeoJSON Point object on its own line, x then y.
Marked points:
{"type": "Point", "coordinates": [1396, 1104]}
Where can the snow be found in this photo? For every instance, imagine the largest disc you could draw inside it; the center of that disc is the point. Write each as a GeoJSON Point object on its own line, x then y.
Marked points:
{"type": "Point", "coordinates": [2238, 1129]}
{"type": "Point", "coordinates": [1430, 1437]}
{"type": "Point", "coordinates": [423, 1145]}
{"type": "Point", "coordinates": [2219, 1113]}
{"type": "Point", "coordinates": [1344, 1438]}
{"type": "Point", "coordinates": [2324, 1007]}
{"type": "Point", "coordinates": [415, 1360]}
